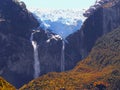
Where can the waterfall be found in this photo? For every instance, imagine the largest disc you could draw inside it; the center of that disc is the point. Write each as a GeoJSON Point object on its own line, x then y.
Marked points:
{"type": "Point", "coordinates": [36, 57]}
{"type": "Point", "coordinates": [63, 56]}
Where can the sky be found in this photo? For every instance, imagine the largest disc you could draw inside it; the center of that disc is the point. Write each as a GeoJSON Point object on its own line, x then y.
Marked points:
{"type": "Point", "coordinates": [59, 4]}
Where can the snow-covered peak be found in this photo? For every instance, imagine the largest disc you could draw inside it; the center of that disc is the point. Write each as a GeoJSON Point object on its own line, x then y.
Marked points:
{"type": "Point", "coordinates": [54, 15]}
{"type": "Point", "coordinates": [61, 22]}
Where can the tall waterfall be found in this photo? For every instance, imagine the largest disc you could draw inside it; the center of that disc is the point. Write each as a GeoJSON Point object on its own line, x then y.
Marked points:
{"type": "Point", "coordinates": [36, 57]}
{"type": "Point", "coordinates": [63, 56]}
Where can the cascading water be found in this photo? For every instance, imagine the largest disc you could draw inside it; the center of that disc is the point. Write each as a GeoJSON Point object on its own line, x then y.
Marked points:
{"type": "Point", "coordinates": [63, 56]}
{"type": "Point", "coordinates": [36, 57]}
{"type": "Point", "coordinates": [61, 23]}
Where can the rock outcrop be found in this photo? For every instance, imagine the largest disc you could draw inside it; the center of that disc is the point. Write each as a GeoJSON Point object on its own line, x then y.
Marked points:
{"type": "Point", "coordinates": [49, 50]}
{"type": "Point", "coordinates": [15, 18]}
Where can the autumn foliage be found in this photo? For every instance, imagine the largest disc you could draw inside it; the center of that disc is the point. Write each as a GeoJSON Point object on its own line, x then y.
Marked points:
{"type": "Point", "coordinates": [4, 85]}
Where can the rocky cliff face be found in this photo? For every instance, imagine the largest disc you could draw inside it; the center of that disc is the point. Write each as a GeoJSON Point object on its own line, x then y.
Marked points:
{"type": "Point", "coordinates": [16, 52]}
{"type": "Point", "coordinates": [100, 22]}
{"type": "Point", "coordinates": [15, 18]}
{"type": "Point", "coordinates": [49, 50]}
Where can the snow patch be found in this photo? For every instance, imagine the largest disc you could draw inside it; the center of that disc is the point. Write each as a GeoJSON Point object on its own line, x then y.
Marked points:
{"type": "Point", "coordinates": [61, 22]}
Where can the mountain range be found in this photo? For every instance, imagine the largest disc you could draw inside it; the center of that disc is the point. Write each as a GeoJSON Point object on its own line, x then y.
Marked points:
{"type": "Point", "coordinates": [59, 21]}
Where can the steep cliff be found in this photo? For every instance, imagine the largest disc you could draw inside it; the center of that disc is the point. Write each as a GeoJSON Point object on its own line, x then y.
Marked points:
{"type": "Point", "coordinates": [49, 50]}
{"type": "Point", "coordinates": [16, 52]}
{"type": "Point", "coordinates": [15, 18]}
{"type": "Point", "coordinates": [99, 71]}
{"type": "Point", "coordinates": [103, 20]}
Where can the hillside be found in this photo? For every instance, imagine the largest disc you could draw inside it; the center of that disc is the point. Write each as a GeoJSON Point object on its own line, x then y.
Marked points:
{"type": "Point", "coordinates": [4, 85]}
{"type": "Point", "coordinates": [99, 71]}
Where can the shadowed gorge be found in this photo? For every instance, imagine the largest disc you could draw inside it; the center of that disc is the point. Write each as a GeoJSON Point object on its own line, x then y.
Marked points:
{"type": "Point", "coordinates": [99, 70]}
